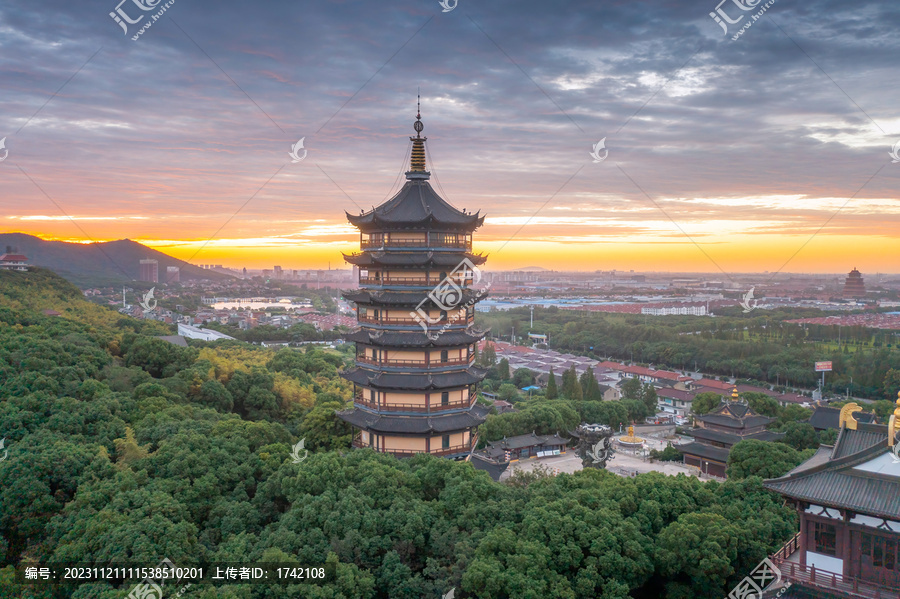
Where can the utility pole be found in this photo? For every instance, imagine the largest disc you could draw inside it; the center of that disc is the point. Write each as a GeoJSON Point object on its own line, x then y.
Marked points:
{"type": "Point", "coordinates": [532, 317]}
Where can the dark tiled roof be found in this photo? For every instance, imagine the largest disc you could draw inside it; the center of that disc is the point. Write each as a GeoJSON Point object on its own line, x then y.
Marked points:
{"type": "Point", "coordinates": [765, 436]}
{"type": "Point", "coordinates": [492, 467]}
{"type": "Point", "coordinates": [384, 380]}
{"type": "Point", "coordinates": [415, 339]}
{"type": "Point", "coordinates": [703, 450]}
{"type": "Point", "coordinates": [416, 205]}
{"type": "Point", "coordinates": [850, 442]}
{"type": "Point", "coordinates": [822, 455]}
{"type": "Point", "coordinates": [825, 418]}
{"type": "Point", "coordinates": [413, 258]}
{"type": "Point", "coordinates": [675, 394]}
{"type": "Point", "coordinates": [415, 425]}
{"type": "Point", "coordinates": [723, 420]}
{"type": "Point", "coordinates": [404, 298]}
{"type": "Point", "coordinates": [735, 415]}
{"type": "Point", "coordinates": [174, 340]}
{"type": "Point", "coordinates": [837, 482]}
{"type": "Point", "coordinates": [718, 436]}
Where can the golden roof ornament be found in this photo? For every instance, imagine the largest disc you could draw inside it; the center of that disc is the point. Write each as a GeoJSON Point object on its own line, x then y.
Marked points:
{"type": "Point", "coordinates": [894, 424]}
{"type": "Point", "coordinates": [846, 416]}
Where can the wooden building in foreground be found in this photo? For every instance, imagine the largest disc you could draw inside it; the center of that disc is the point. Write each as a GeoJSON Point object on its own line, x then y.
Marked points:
{"type": "Point", "coordinates": [848, 500]}
{"type": "Point", "coordinates": [415, 379]}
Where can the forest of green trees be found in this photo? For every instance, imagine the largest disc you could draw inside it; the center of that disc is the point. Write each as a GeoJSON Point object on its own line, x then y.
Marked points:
{"type": "Point", "coordinates": [757, 347]}
{"type": "Point", "coordinates": [125, 448]}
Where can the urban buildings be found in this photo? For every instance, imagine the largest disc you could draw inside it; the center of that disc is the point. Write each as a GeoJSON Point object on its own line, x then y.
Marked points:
{"type": "Point", "coordinates": [854, 287]}
{"type": "Point", "coordinates": [848, 500]}
{"type": "Point", "coordinates": [149, 271]}
{"type": "Point", "coordinates": [414, 380]}
{"type": "Point", "coordinates": [173, 274]}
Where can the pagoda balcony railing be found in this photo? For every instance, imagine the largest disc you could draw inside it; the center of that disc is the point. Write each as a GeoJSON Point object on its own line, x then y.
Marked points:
{"type": "Point", "coordinates": [809, 576]}
{"type": "Point", "coordinates": [420, 281]}
{"type": "Point", "coordinates": [465, 447]}
{"type": "Point", "coordinates": [414, 363]}
{"type": "Point", "coordinates": [434, 243]}
{"type": "Point", "coordinates": [413, 321]}
{"type": "Point", "coordinates": [434, 408]}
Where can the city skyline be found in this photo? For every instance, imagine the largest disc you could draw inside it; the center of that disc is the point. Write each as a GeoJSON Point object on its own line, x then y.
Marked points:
{"type": "Point", "coordinates": [767, 153]}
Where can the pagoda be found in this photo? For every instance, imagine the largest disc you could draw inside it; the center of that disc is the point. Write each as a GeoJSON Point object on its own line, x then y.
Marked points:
{"type": "Point", "coordinates": [854, 286]}
{"type": "Point", "coordinates": [414, 379]}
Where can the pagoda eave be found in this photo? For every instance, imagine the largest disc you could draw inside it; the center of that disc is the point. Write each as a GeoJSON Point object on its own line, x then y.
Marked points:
{"type": "Point", "coordinates": [406, 258]}
{"type": "Point", "coordinates": [404, 298]}
{"type": "Point", "coordinates": [414, 382]}
{"type": "Point", "coordinates": [415, 339]}
{"type": "Point", "coordinates": [418, 425]}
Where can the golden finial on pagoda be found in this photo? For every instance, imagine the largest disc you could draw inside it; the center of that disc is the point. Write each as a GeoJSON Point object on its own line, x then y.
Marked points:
{"type": "Point", "coordinates": [734, 394]}
{"type": "Point", "coordinates": [846, 416]}
{"type": "Point", "coordinates": [417, 158]}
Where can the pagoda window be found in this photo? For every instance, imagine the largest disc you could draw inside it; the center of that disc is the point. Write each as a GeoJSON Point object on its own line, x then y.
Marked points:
{"type": "Point", "coordinates": [445, 398]}
{"type": "Point", "coordinates": [374, 355]}
{"type": "Point", "coordinates": [443, 315]}
{"type": "Point", "coordinates": [372, 396]}
{"type": "Point", "coordinates": [444, 356]}
{"type": "Point", "coordinates": [825, 538]}
{"type": "Point", "coordinates": [445, 442]}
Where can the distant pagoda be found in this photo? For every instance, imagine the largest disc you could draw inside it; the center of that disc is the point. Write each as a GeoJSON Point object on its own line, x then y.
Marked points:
{"type": "Point", "coordinates": [854, 287]}
{"type": "Point", "coordinates": [414, 380]}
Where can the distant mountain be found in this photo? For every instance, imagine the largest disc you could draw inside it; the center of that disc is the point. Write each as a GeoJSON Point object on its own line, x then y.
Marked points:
{"type": "Point", "coordinates": [99, 264]}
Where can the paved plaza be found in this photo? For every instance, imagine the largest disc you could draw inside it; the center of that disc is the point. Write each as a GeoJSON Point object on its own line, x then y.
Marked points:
{"type": "Point", "coordinates": [622, 463]}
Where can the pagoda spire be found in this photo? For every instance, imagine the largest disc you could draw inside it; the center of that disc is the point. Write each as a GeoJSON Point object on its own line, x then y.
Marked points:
{"type": "Point", "coordinates": [417, 158]}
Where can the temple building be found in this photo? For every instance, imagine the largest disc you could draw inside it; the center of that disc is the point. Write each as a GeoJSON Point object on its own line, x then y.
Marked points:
{"type": "Point", "coordinates": [720, 430]}
{"type": "Point", "coordinates": [415, 379]}
{"type": "Point", "coordinates": [854, 287]}
{"type": "Point", "coordinates": [848, 500]}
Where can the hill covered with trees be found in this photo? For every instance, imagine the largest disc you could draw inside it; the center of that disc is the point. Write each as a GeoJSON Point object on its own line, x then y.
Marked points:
{"type": "Point", "coordinates": [101, 263]}
{"type": "Point", "coordinates": [126, 448]}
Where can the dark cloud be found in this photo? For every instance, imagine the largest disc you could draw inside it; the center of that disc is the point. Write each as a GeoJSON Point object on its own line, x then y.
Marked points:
{"type": "Point", "coordinates": [191, 119]}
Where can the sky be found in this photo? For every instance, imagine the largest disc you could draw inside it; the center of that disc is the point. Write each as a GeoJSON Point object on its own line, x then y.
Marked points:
{"type": "Point", "coordinates": [762, 151]}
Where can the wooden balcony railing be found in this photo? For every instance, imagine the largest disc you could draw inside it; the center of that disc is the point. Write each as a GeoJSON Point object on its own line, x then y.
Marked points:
{"type": "Point", "coordinates": [390, 362]}
{"type": "Point", "coordinates": [434, 243]}
{"type": "Point", "coordinates": [809, 576]}
{"type": "Point", "coordinates": [407, 320]}
{"type": "Point", "coordinates": [465, 447]}
{"type": "Point", "coordinates": [434, 408]}
{"type": "Point", "coordinates": [412, 281]}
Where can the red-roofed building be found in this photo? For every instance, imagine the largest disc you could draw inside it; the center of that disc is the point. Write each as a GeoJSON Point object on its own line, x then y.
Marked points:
{"type": "Point", "coordinates": [713, 385]}
{"type": "Point", "coordinates": [648, 375]}
{"type": "Point", "coordinates": [10, 261]}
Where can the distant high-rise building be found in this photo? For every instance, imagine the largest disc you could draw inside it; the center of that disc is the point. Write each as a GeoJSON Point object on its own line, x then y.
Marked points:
{"type": "Point", "coordinates": [173, 274]}
{"type": "Point", "coordinates": [278, 272]}
{"type": "Point", "coordinates": [150, 271]}
{"type": "Point", "coordinates": [854, 287]}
